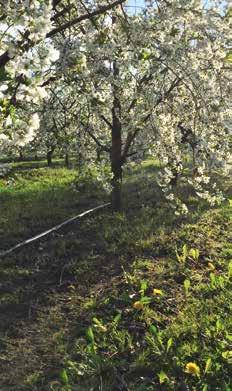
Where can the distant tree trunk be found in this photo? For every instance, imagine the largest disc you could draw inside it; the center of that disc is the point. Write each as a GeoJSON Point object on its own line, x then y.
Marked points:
{"type": "Point", "coordinates": [36, 157]}
{"type": "Point", "coordinates": [66, 159]}
{"type": "Point", "coordinates": [79, 160]}
{"type": "Point", "coordinates": [98, 151]}
{"type": "Point", "coordinates": [20, 155]}
{"type": "Point", "coordinates": [116, 147]}
{"type": "Point", "coordinates": [116, 194]}
{"type": "Point", "coordinates": [49, 157]}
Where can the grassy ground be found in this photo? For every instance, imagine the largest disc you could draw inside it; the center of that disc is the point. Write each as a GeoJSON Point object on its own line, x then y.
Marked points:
{"type": "Point", "coordinates": [113, 302]}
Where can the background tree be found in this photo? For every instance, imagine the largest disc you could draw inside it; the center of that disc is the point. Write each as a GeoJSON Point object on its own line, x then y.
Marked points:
{"type": "Point", "coordinates": [159, 82]}
{"type": "Point", "coordinates": [27, 51]}
{"type": "Point", "coordinates": [155, 81]}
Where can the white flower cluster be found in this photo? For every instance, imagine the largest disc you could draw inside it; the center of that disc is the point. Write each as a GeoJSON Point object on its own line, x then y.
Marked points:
{"type": "Point", "coordinates": [4, 169]}
{"type": "Point", "coordinates": [23, 25]}
{"type": "Point", "coordinates": [24, 130]}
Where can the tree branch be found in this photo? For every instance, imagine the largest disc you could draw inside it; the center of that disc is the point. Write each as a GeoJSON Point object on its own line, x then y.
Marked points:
{"type": "Point", "coordinates": [62, 12]}
{"type": "Point", "coordinates": [131, 135]}
{"type": "Point", "coordinates": [86, 16]}
{"type": "Point", "coordinates": [163, 97]}
{"type": "Point", "coordinates": [5, 58]}
{"type": "Point", "coordinates": [130, 138]}
{"type": "Point", "coordinates": [106, 121]}
{"type": "Point", "coordinates": [103, 147]}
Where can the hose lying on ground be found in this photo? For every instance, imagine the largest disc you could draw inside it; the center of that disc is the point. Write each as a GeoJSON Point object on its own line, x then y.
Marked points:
{"type": "Point", "coordinates": [34, 238]}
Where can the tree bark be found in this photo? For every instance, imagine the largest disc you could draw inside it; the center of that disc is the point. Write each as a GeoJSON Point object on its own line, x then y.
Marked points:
{"type": "Point", "coordinates": [67, 160]}
{"type": "Point", "coordinates": [98, 152]}
{"type": "Point", "coordinates": [20, 155]}
{"type": "Point", "coordinates": [116, 146]}
{"type": "Point", "coordinates": [49, 157]}
{"type": "Point", "coordinates": [79, 160]}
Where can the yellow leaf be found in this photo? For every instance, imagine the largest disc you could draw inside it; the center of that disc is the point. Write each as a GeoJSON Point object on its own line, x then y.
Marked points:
{"type": "Point", "coordinates": [211, 266]}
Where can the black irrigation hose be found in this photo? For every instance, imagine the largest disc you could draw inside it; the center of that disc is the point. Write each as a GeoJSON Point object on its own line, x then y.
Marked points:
{"type": "Point", "coordinates": [34, 238]}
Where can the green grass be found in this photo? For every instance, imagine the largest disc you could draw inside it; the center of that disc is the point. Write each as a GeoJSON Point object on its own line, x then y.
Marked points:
{"type": "Point", "coordinates": [34, 199]}
{"type": "Point", "coordinates": [68, 320]}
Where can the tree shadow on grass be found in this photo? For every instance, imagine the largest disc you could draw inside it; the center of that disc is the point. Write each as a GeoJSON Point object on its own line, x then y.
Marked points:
{"type": "Point", "coordinates": [44, 285]}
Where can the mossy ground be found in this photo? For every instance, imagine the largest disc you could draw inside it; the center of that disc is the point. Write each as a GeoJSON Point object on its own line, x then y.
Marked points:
{"type": "Point", "coordinates": [68, 320]}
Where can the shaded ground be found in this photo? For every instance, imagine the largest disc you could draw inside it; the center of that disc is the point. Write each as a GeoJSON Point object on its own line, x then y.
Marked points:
{"type": "Point", "coordinates": [68, 320]}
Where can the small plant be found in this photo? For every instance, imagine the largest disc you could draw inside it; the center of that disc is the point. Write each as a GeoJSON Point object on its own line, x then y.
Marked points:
{"type": "Point", "coordinates": [91, 347]}
{"type": "Point", "coordinates": [187, 285]}
{"type": "Point", "coordinates": [5, 169]}
{"type": "Point", "coordinates": [99, 325]}
{"type": "Point", "coordinates": [192, 253]}
{"type": "Point", "coordinates": [93, 178]}
{"type": "Point", "coordinates": [183, 256]}
{"type": "Point", "coordinates": [163, 377]}
{"type": "Point", "coordinates": [217, 282]}
{"type": "Point", "coordinates": [143, 287]}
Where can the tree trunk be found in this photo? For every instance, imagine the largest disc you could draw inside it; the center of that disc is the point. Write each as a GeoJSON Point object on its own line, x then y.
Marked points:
{"type": "Point", "coordinates": [20, 155]}
{"type": "Point", "coordinates": [116, 147]}
{"type": "Point", "coordinates": [49, 157]}
{"type": "Point", "coordinates": [116, 193]}
{"type": "Point", "coordinates": [98, 152]}
{"type": "Point", "coordinates": [67, 160]}
{"type": "Point", "coordinates": [79, 160]}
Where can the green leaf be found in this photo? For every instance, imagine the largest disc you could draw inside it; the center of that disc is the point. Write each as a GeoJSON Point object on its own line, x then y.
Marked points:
{"type": "Point", "coordinates": [208, 365]}
{"type": "Point", "coordinates": [143, 287]}
{"type": "Point", "coordinates": [230, 269]}
{"type": "Point", "coordinates": [90, 335]}
{"type": "Point", "coordinates": [194, 253]}
{"type": "Point", "coordinates": [179, 258]}
{"type": "Point", "coordinates": [228, 57]}
{"type": "Point", "coordinates": [229, 337]}
{"type": "Point", "coordinates": [145, 299]}
{"type": "Point", "coordinates": [169, 344]}
{"type": "Point", "coordinates": [212, 280]}
{"type": "Point", "coordinates": [184, 252]}
{"type": "Point", "coordinates": [187, 285]}
{"type": "Point", "coordinates": [219, 325]}
{"type": "Point", "coordinates": [96, 321]}
{"type": "Point", "coordinates": [91, 349]}
{"type": "Point", "coordinates": [182, 258]}
{"type": "Point", "coordinates": [162, 377]}
{"type": "Point", "coordinates": [153, 330]}
{"type": "Point", "coordinates": [117, 318]}
{"type": "Point", "coordinates": [144, 55]}
{"type": "Point", "coordinates": [99, 325]}
{"type": "Point", "coordinates": [63, 376]}
{"type": "Point", "coordinates": [229, 12]}
{"type": "Point", "coordinates": [227, 355]}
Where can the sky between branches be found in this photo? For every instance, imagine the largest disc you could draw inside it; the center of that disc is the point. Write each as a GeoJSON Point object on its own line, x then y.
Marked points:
{"type": "Point", "coordinates": [138, 5]}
